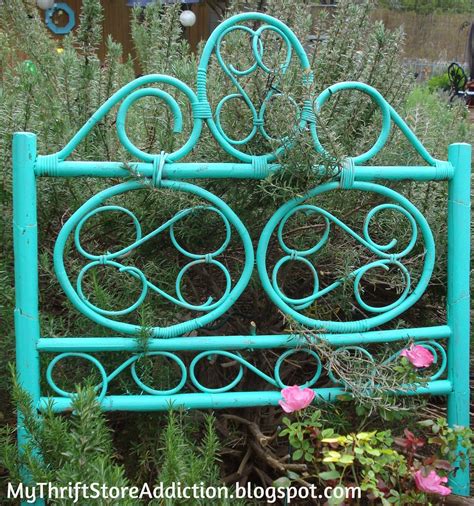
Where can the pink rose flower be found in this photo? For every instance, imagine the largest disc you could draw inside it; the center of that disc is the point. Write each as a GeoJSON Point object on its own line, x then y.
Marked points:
{"type": "Point", "coordinates": [418, 355]}
{"type": "Point", "coordinates": [431, 483]}
{"type": "Point", "coordinates": [296, 398]}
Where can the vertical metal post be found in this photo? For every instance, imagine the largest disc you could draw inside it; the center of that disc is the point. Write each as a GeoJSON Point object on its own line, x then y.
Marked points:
{"type": "Point", "coordinates": [459, 209]}
{"type": "Point", "coordinates": [26, 272]}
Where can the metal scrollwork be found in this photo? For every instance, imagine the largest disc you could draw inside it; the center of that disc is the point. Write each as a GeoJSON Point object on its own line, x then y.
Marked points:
{"type": "Point", "coordinates": [185, 372]}
{"type": "Point", "coordinates": [291, 45]}
{"type": "Point", "coordinates": [128, 95]}
{"type": "Point", "coordinates": [114, 259]}
{"type": "Point", "coordinates": [386, 254]}
{"type": "Point", "coordinates": [437, 369]}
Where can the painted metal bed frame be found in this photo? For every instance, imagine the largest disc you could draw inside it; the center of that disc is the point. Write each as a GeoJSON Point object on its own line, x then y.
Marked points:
{"type": "Point", "coordinates": [167, 171]}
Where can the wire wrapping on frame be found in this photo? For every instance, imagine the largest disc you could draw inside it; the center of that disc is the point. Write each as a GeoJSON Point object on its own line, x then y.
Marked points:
{"type": "Point", "coordinates": [158, 164]}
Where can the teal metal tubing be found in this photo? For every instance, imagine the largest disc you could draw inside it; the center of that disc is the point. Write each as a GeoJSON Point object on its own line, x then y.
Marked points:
{"type": "Point", "coordinates": [220, 400]}
{"type": "Point", "coordinates": [213, 45]}
{"type": "Point", "coordinates": [25, 237]}
{"type": "Point", "coordinates": [197, 170]}
{"type": "Point", "coordinates": [388, 114]}
{"type": "Point", "coordinates": [95, 344]}
{"type": "Point", "coordinates": [372, 321]}
{"type": "Point", "coordinates": [458, 301]}
{"type": "Point", "coordinates": [167, 170]}
{"type": "Point", "coordinates": [128, 90]}
{"type": "Point", "coordinates": [128, 328]}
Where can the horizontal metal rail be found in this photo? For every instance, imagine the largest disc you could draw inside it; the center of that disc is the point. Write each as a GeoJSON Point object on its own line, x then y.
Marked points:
{"type": "Point", "coordinates": [220, 400]}
{"type": "Point", "coordinates": [197, 170]}
{"type": "Point", "coordinates": [61, 344]}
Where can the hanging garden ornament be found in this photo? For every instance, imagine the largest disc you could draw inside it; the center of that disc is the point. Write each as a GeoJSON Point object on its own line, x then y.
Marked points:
{"type": "Point", "coordinates": [187, 18]}
{"type": "Point", "coordinates": [45, 4]}
{"type": "Point", "coordinates": [63, 9]}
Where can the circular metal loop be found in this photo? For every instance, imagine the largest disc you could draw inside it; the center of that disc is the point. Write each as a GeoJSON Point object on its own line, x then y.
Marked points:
{"type": "Point", "coordinates": [284, 139]}
{"type": "Point", "coordinates": [136, 273]}
{"type": "Point", "coordinates": [208, 305]}
{"type": "Point", "coordinates": [384, 264]}
{"type": "Point", "coordinates": [379, 100]}
{"type": "Point", "coordinates": [109, 255]}
{"type": "Point", "coordinates": [226, 388]}
{"type": "Point", "coordinates": [198, 256]}
{"type": "Point", "coordinates": [414, 230]}
{"type": "Point", "coordinates": [217, 117]}
{"type": "Point", "coordinates": [257, 47]}
{"type": "Point", "coordinates": [307, 210]}
{"type": "Point", "coordinates": [153, 391]}
{"type": "Point", "coordinates": [230, 67]}
{"type": "Point", "coordinates": [173, 105]}
{"type": "Point", "coordinates": [438, 352]}
{"type": "Point", "coordinates": [436, 348]}
{"type": "Point", "coordinates": [85, 356]}
{"type": "Point", "coordinates": [303, 302]}
{"type": "Point", "coordinates": [344, 349]}
{"type": "Point", "coordinates": [406, 300]}
{"type": "Point", "coordinates": [212, 310]}
{"type": "Point", "coordinates": [287, 354]}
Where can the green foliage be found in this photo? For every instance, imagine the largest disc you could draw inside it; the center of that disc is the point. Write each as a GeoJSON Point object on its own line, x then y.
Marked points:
{"type": "Point", "coordinates": [185, 461]}
{"type": "Point", "coordinates": [296, 430]}
{"type": "Point", "coordinates": [383, 466]}
{"type": "Point", "coordinates": [448, 439]}
{"type": "Point", "coordinates": [74, 448]}
{"type": "Point", "coordinates": [440, 82]}
{"type": "Point", "coordinates": [79, 448]}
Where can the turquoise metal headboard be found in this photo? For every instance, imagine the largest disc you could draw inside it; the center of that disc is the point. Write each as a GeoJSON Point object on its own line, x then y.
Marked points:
{"type": "Point", "coordinates": [166, 170]}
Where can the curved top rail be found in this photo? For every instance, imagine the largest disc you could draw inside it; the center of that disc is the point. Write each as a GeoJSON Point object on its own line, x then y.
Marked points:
{"type": "Point", "coordinates": [251, 16]}
{"type": "Point", "coordinates": [306, 118]}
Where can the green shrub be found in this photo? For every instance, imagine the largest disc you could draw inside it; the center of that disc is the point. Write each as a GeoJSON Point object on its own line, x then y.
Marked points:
{"type": "Point", "coordinates": [440, 82]}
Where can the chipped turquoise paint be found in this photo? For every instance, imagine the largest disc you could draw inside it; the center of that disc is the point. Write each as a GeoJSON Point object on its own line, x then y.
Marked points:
{"type": "Point", "coordinates": [448, 341]}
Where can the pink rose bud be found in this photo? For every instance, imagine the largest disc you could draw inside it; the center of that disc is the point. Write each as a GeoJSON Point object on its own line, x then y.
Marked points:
{"type": "Point", "coordinates": [296, 398]}
{"type": "Point", "coordinates": [418, 355]}
{"type": "Point", "coordinates": [431, 483]}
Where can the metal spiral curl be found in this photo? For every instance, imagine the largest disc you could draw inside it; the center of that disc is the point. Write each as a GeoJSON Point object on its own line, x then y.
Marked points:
{"type": "Point", "coordinates": [383, 251]}
{"type": "Point", "coordinates": [185, 371]}
{"type": "Point", "coordinates": [439, 363]}
{"type": "Point", "coordinates": [387, 255]}
{"type": "Point", "coordinates": [211, 308]}
{"type": "Point", "coordinates": [108, 260]}
{"type": "Point", "coordinates": [129, 94]}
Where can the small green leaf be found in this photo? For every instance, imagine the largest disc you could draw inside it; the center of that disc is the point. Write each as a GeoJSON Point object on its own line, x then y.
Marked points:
{"type": "Point", "coordinates": [297, 455]}
{"type": "Point", "coordinates": [346, 459]}
{"type": "Point", "coordinates": [283, 482]}
{"type": "Point", "coordinates": [327, 433]}
{"type": "Point", "coordinates": [329, 475]}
